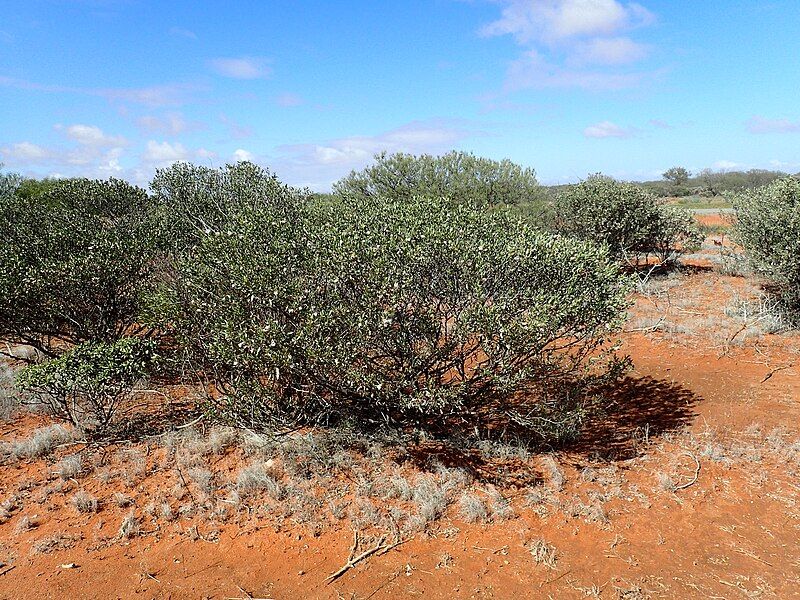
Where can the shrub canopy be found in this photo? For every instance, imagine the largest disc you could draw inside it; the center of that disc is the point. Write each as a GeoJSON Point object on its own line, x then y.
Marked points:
{"type": "Point", "coordinates": [76, 258]}
{"type": "Point", "coordinates": [458, 176]}
{"type": "Point", "coordinates": [405, 310]}
{"type": "Point", "coordinates": [768, 227]}
{"type": "Point", "coordinates": [631, 221]}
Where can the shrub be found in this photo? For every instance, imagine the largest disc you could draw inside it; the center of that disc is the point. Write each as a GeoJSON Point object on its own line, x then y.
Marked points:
{"type": "Point", "coordinates": [768, 227]}
{"type": "Point", "coordinates": [195, 201]}
{"type": "Point", "coordinates": [76, 258]}
{"type": "Point", "coordinates": [631, 221]}
{"type": "Point", "coordinates": [407, 311]}
{"type": "Point", "coordinates": [89, 383]}
{"type": "Point", "coordinates": [459, 176]}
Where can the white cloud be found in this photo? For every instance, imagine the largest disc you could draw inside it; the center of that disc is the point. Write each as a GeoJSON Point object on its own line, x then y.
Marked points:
{"type": "Point", "coordinates": [660, 124]}
{"type": "Point", "coordinates": [607, 129]}
{"type": "Point", "coordinates": [245, 67]}
{"type": "Point", "coordinates": [551, 21]}
{"type": "Point", "coordinates": [759, 124]}
{"type": "Point", "coordinates": [609, 51]}
{"type": "Point", "coordinates": [240, 155]}
{"type": "Point", "coordinates": [572, 43]}
{"type": "Point", "coordinates": [25, 152]}
{"type": "Point", "coordinates": [91, 135]}
{"type": "Point", "coordinates": [164, 152]}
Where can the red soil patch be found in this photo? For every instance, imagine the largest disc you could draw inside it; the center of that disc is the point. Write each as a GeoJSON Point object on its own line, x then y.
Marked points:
{"type": "Point", "coordinates": [732, 533]}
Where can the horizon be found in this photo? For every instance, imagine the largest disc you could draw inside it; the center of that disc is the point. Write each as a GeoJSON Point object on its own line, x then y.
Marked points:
{"type": "Point", "coordinates": [102, 88]}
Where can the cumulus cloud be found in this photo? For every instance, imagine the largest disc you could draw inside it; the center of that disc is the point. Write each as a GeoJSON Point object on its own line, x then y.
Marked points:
{"type": "Point", "coordinates": [552, 21]}
{"type": "Point", "coordinates": [607, 129]}
{"type": "Point", "coordinates": [759, 124]}
{"type": "Point", "coordinates": [240, 154]}
{"type": "Point", "coordinates": [25, 152]}
{"type": "Point", "coordinates": [725, 165]}
{"type": "Point", "coordinates": [91, 135]}
{"type": "Point", "coordinates": [245, 67]}
{"type": "Point", "coordinates": [573, 43]}
{"type": "Point", "coordinates": [164, 152]}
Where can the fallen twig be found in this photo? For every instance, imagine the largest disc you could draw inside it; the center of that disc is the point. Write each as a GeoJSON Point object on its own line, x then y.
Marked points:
{"type": "Point", "coordinates": [380, 549]}
{"type": "Point", "coordinates": [683, 486]}
{"type": "Point", "coordinates": [775, 370]}
{"type": "Point", "coordinates": [354, 561]}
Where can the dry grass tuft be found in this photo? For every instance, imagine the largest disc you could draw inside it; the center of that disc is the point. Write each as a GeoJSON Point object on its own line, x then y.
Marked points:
{"type": "Point", "coordinates": [543, 553]}
{"type": "Point", "coordinates": [84, 503]}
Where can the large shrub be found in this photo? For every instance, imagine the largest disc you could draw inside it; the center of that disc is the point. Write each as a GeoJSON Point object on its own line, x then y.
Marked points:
{"type": "Point", "coordinates": [459, 176]}
{"type": "Point", "coordinates": [93, 383]}
{"type": "Point", "coordinates": [74, 264]}
{"type": "Point", "coordinates": [768, 227]}
{"type": "Point", "coordinates": [404, 310]}
{"type": "Point", "coordinates": [631, 221]}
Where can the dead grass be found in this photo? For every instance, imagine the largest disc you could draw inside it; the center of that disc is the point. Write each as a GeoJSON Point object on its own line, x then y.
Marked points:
{"type": "Point", "coordinates": [543, 553]}
{"type": "Point", "coordinates": [84, 502]}
{"type": "Point", "coordinates": [69, 467]}
{"type": "Point", "coordinates": [41, 443]}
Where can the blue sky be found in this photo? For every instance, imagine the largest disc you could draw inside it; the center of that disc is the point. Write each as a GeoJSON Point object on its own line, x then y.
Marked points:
{"type": "Point", "coordinates": [314, 89]}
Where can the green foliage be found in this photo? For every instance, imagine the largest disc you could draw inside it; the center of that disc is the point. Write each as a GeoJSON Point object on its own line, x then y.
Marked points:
{"type": "Point", "coordinates": [89, 384]}
{"type": "Point", "coordinates": [458, 176]}
{"type": "Point", "coordinates": [194, 201]}
{"type": "Point", "coordinates": [30, 188]}
{"type": "Point", "coordinates": [768, 227]}
{"type": "Point", "coordinates": [404, 310]}
{"type": "Point", "coordinates": [677, 176]}
{"type": "Point", "coordinates": [75, 261]}
{"type": "Point", "coordinates": [628, 219]}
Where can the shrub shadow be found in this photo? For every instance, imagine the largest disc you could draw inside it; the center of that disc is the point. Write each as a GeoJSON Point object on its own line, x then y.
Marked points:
{"type": "Point", "coordinates": [631, 413]}
{"type": "Point", "coordinates": [638, 409]}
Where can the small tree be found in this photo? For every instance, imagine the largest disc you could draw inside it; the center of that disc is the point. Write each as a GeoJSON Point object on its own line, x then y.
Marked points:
{"type": "Point", "coordinates": [677, 176]}
{"type": "Point", "coordinates": [628, 219]}
{"type": "Point", "coordinates": [768, 227]}
{"type": "Point", "coordinates": [459, 176]}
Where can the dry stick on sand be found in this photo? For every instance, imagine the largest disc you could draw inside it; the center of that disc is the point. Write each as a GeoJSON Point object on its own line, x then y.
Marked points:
{"type": "Point", "coordinates": [683, 486]}
{"type": "Point", "coordinates": [380, 548]}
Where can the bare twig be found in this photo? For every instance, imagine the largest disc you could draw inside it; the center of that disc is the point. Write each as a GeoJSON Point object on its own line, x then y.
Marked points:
{"type": "Point", "coordinates": [683, 486]}
{"type": "Point", "coordinates": [380, 549]}
{"type": "Point", "coordinates": [354, 561]}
